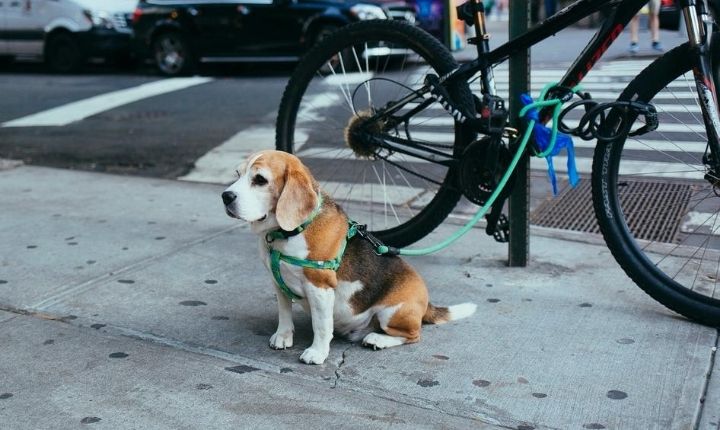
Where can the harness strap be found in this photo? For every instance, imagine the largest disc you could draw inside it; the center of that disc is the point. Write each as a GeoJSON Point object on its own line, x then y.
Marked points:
{"type": "Point", "coordinates": [334, 264]}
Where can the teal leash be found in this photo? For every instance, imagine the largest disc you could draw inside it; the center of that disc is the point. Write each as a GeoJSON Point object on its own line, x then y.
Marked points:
{"type": "Point", "coordinates": [354, 228]}
{"type": "Point", "coordinates": [541, 103]}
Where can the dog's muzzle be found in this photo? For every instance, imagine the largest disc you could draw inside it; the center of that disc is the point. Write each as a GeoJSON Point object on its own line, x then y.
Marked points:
{"type": "Point", "coordinates": [229, 198]}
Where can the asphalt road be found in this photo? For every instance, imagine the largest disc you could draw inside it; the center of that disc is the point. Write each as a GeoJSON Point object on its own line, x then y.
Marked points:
{"type": "Point", "coordinates": [158, 136]}
{"type": "Point", "coordinates": [164, 135]}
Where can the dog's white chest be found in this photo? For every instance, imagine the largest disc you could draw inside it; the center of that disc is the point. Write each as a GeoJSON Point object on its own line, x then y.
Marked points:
{"type": "Point", "coordinates": [345, 320]}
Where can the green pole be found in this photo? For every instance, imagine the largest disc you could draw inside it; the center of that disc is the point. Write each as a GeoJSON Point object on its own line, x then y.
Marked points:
{"type": "Point", "coordinates": [519, 201]}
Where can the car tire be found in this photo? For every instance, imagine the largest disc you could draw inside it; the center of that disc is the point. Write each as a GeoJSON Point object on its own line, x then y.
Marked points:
{"type": "Point", "coordinates": [63, 53]}
{"type": "Point", "coordinates": [172, 54]}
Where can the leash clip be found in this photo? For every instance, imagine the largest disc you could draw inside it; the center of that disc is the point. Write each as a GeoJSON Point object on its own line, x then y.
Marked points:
{"type": "Point", "coordinates": [379, 248]}
{"type": "Point", "coordinates": [374, 241]}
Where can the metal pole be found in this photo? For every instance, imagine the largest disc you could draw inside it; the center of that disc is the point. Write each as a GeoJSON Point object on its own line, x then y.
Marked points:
{"type": "Point", "coordinates": [519, 201]}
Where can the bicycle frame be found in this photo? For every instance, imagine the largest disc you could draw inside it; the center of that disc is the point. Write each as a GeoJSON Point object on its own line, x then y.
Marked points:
{"type": "Point", "coordinates": [619, 13]}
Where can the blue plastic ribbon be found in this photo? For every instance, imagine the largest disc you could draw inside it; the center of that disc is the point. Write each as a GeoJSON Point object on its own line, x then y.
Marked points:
{"type": "Point", "coordinates": [544, 140]}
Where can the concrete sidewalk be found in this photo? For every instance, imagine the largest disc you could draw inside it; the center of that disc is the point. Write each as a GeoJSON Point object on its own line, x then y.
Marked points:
{"type": "Point", "coordinates": [137, 303]}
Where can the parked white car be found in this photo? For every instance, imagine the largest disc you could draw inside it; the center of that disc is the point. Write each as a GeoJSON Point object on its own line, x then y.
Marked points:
{"type": "Point", "coordinates": [65, 33]}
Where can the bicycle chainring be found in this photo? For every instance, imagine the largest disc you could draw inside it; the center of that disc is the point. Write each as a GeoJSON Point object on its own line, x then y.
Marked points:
{"type": "Point", "coordinates": [483, 164]}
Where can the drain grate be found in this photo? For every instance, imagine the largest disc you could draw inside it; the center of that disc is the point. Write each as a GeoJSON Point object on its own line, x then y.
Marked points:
{"type": "Point", "coordinates": [653, 210]}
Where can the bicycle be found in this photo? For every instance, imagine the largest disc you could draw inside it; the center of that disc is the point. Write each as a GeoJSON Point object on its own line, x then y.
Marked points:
{"type": "Point", "coordinates": [386, 112]}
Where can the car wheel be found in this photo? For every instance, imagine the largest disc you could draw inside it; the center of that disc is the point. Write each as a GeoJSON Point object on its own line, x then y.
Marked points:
{"type": "Point", "coordinates": [172, 54]}
{"type": "Point", "coordinates": [63, 53]}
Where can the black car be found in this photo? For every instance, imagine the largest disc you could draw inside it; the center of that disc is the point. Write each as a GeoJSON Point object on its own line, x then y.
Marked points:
{"type": "Point", "coordinates": [178, 34]}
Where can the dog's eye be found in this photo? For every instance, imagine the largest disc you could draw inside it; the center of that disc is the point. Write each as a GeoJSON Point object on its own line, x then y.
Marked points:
{"type": "Point", "coordinates": [259, 180]}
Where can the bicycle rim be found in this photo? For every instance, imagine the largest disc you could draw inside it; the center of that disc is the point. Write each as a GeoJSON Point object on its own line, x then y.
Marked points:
{"type": "Point", "coordinates": [348, 77]}
{"type": "Point", "coordinates": [659, 214]}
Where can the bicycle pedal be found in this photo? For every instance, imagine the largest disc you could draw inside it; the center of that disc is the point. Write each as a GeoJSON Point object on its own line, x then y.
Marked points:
{"type": "Point", "coordinates": [502, 230]}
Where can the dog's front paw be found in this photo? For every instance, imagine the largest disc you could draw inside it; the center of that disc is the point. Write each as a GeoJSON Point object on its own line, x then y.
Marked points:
{"type": "Point", "coordinates": [314, 356]}
{"type": "Point", "coordinates": [281, 340]}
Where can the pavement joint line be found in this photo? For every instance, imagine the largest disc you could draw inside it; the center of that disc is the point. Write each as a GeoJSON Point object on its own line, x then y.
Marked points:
{"type": "Point", "coordinates": [706, 385]}
{"type": "Point", "coordinates": [271, 370]}
{"type": "Point", "coordinates": [393, 396]}
{"type": "Point", "coordinates": [111, 330]}
{"type": "Point", "coordinates": [192, 348]}
{"type": "Point", "coordinates": [31, 313]}
{"type": "Point", "coordinates": [66, 290]}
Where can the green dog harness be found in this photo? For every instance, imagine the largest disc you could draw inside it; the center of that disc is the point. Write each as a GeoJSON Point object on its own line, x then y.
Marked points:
{"type": "Point", "coordinates": [276, 256]}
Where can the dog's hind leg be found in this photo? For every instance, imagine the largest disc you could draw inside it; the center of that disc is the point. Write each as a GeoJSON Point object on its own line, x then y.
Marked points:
{"type": "Point", "coordinates": [401, 324]}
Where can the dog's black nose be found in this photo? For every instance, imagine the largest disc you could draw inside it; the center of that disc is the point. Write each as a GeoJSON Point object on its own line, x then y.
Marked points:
{"type": "Point", "coordinates": [228, 197]}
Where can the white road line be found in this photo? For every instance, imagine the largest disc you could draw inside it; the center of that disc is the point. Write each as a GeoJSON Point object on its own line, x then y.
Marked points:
{"type": "Point", "coordinates": [663, 127]}
{"type": "Point", "coordinates": [79, 110]}
{"type": "Point", "coordinates": [377, 193]}
{"type": "Point", "coordinates": [640, 169]}
{"type": "Point", "coordinates": [583, 164]}
{"type": "Point", "coordinates": [699, 222]}
{"type": "Point", "coordinates": [219, 164]}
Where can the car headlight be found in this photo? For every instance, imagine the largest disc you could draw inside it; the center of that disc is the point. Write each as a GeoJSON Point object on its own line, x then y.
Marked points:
{"type": "Point", "coordinates": [367, 11]}
{"type": "Point", "coordinates": [99, 19]}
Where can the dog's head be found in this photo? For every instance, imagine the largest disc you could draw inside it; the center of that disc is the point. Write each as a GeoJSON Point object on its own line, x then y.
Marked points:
{"type": "Point", "coordinates": [273, 189]}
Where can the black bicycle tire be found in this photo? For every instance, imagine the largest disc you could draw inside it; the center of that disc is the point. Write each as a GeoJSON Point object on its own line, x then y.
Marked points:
{"type": "Point", "coordinates": [435, 54]}
{"type": "Point", "coordinates": [646, 275]}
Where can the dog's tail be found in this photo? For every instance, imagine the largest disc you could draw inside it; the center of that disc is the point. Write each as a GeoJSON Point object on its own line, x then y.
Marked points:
{"type": "Point", "coordinates": [440, 315]}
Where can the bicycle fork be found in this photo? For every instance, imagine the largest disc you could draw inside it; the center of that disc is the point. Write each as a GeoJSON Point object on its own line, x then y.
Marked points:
{"type": "Point", "coordinates": [699, 30]}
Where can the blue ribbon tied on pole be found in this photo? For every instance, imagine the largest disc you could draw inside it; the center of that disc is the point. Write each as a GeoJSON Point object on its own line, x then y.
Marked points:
{"type": "Point", "coordinates": [551, 142]}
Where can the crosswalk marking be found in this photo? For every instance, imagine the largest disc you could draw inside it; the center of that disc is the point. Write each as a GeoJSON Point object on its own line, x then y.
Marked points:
{"type": "Point", "coordinates": [79, 110]}
{"type": "Point", "coordinates": [219, 164]}
{"type": "Point", "coordinates": [679, 139]}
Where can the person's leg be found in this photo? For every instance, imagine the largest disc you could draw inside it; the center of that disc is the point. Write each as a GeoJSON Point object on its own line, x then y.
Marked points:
{"type": "Point", "coordinates": [654, 18]}
{"type": "Point", "coordinates": [634, 24]}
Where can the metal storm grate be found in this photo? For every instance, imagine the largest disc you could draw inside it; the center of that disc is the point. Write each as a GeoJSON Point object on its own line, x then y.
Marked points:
{"type": "Point", "coordinates": [653, 210]}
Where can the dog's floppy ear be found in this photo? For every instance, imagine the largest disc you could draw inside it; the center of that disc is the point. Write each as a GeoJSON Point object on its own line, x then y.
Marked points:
{"type": "Point", "coordinates": [298, 198]}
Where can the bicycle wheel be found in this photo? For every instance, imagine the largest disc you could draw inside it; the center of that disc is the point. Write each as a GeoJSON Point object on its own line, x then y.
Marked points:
{"type": "Point", "coordinates": [658, 214]}
{"type": "Point", "coordinates": [350, 74]}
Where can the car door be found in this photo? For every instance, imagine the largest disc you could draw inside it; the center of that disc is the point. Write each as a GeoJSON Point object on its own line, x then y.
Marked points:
{"type": "Point", "coordinates": [215, 27]}
{"type": "Point", "coordinates": [273, 28]}
{"type": "Point", "coordinates": [24, 32]}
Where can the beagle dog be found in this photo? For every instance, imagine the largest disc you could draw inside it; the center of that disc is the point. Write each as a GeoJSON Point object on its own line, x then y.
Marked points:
{"type": "Point", "coordinates": [378, 299]}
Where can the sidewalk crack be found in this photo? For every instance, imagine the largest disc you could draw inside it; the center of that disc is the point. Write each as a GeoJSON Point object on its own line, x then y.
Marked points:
{"type": "Point", "coordinates": [339, 366]}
